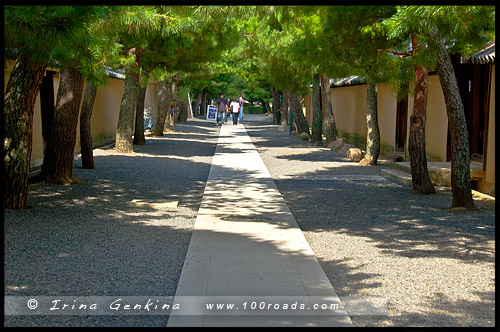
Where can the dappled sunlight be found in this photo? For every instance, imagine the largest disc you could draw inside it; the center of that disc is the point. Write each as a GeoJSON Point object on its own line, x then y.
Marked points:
{"type": "Point", "coordinates": [244, 222]}
{"type": "Point", "coordinates": [423, 302]}
{"type": "Point", "coordinates": [156, 205]}
{"type": "Point", "coordinates": [17, 288]}
{"type": "Point", "coordinates": [143, 155]}
{"type": "Point", "coordinates": [120, 233]}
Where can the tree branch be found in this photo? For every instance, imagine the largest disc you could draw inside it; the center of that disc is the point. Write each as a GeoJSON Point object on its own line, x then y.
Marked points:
{"type": "Point", "coordinates": [401, 54]}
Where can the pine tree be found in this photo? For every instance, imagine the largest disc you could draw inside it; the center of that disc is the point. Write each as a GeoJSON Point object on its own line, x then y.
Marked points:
{"type": "Point", "coordinates": [139, 138]}
{"type": "Point", "coordinates": [329, 125]}
{"type": "Point", "coordinates": [85, 118]}
{"type": "Point", "coordinates": [373, 135]}
{"type": "Point", "coordinates": [30, 36]}
{"type": "Point", "coordinates": [469, 25]}
{"type": "Point", "coordinates": [317, 123]}
{"type": "Point", "coordinates": [405, 23]}
{"type": "Point", "coordinates": [464, 28]}
{"type": "Point", "coordinates": [134, 25]}
{"type": "Point", "coordinates": [76, 60]}
{"type": "Point", "coordinates": [57, 164]}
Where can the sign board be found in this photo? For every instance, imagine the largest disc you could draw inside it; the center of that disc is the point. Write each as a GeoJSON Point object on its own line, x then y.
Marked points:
{"type": "Point", "coordinates": [211, 113]}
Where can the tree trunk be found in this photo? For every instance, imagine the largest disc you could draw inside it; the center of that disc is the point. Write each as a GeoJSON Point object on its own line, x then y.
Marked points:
{"type": "Point", "coordinates": [163, 100]}
{"type": "Point", "coordinates": [317, 123]}
{"type": "Point", "coordinates": [329, 126]}
{"type": "Point", "coordinates": [165, 95]}
{"type": "Point", "coordinates": [460, 155]}
{"type": "Point", "coordinates": [285, 108]}
{"type": "Point", "coordinates": [139, 138]}
{"type": "Point", "coordinates": [203, 109]}
{"type": "Point", "coordinates": [174, 103]}
{"type": "Point", "coordinates": [416, 144]}
{"type": "Point", "coordinates": [174, 117]}
{"type": "Point", "coordinates": [373, 131]}
{"type": "Point", "coordinates": [276, 106]}
{"type": "Point", "coordinates": [57, 164]}
{"type": "Point", "coordinates": [124, 129]}
{"type": "Point", "coordinates": [47, 113]}
{"type": "Point", "coordinates": [197, 105]}
{"type": "Point", "coordinates": [19, 101]}
{"type": "Point", "coordinates": [267, 107]}
{"type": "Point", "coordinates": [182, 112]}
{"type": "Point", "coordinates": [299, 119]}
{"type": "Point", "coordinates": [190, 107]}
{"type": "Point", "coordinates": [85, 133]}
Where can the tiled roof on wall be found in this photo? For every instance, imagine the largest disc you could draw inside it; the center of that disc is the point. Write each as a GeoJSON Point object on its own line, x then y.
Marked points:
{"type": "Point", "coordinates": [346, 81]}
{"type": "Point", "coordinates": [486, 55]}
{"type": "Point", "coordinates": [115, 74]}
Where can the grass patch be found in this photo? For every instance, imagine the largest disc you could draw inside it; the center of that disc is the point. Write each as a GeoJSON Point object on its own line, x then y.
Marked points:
{"type": "Point", "coordinates": [360, 142]}
{"type": "Point", "coordinates": [385, 149]}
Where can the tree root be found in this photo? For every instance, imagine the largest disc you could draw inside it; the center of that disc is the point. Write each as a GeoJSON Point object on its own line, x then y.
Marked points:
{"type": "Point", "coordinates": [366, 161]}
{"type": "Point", "coordinates": [66, 181]}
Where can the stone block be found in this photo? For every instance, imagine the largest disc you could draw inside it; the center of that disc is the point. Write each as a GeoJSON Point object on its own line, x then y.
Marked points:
{"type": "Point", "coordinates": [304, 136]}
{"type": "Point", "coordinates": [354, 154]}
{"type": "Point", "coordinates": [346, 148]}
{"type": "Point", "coordinates": [336, 145]}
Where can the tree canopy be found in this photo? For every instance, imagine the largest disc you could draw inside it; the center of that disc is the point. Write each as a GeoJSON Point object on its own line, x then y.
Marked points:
{"type": "Point", "coordinates": [232, 49]}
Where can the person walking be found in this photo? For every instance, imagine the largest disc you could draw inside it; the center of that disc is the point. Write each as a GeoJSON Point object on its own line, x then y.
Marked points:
{"type": "Point", "coordinates": [242, 101]}
{"type": "Point", "coordinates": [235, 108]}
{"type": "Point", "coordinates": [221, 105]}
{"type": "Point", "coordinates": [228, 114]}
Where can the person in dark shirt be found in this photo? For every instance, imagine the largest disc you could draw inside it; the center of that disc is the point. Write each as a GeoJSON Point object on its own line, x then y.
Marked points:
{"type": "Point", "coordinates": [221, 105]}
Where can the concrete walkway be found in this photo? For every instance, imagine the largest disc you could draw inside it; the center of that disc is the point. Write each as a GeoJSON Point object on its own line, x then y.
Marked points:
{"type": "Point", "coordinates": [247, 247]}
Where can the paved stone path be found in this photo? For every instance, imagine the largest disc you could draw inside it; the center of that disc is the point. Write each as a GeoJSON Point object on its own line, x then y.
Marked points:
{"type": "Point", "coordinates": [246, 245]}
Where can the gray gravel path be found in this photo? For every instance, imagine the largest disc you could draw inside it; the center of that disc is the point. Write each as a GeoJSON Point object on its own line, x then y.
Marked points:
{"type": "Point", "coordinates": [92, 240]}
{"type": "Point", "coordinates": [375, 238]}
{"type": "Point", "coordinates": [372, 237]}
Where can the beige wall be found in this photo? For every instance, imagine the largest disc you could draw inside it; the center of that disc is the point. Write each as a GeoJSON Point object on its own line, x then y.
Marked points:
{"type": "Point", "coordinates": [104, 114]}
{"type": "Point", "coordinates": [349, 105]}
{"type": "Point", "coordinates": [490, 152]}
{"type": "Point", "coordinates": [386, 107]}
{"type": "Point", "coordinates": [436, 124]}
{"type": "Point", "coordinates": [349, 108]}
{"type": "Point", "coordinates": [38, 148]}
{"type": "Point", "coordinates": [151, 100]}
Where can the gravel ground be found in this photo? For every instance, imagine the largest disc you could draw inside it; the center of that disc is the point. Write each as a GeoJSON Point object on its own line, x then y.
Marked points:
{"type": "Point", "coordinates": [375, 238]}
{"type": "Point", "coordinates": [372, 238]}
{"type": "Point", "coordinates": [92, 240]}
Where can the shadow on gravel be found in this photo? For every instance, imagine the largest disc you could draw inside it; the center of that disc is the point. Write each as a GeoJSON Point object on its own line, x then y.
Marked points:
{"type": "Point", "coordinates": [92, 240]}
{"type": "Point", "coordinates": [94, 247]}
{"type": "Point", "coordinates": [464, 313]}
{"type": "Point", "coordinates": [397, 221]}
{"type": "Point", "coordinates": [440, 311]}
{"type": "Point", "coordinates": [388, 216]}
{"type": "Point", "coordinates": [124, 233]}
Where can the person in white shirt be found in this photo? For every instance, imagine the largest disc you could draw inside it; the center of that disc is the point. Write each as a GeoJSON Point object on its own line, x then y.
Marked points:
{"type": "Point", "coordinates": [235, 108]}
